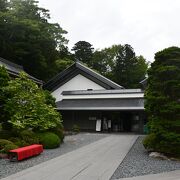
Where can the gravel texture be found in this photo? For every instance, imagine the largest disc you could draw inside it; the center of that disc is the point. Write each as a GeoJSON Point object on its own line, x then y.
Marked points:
{"type": "Point", "coordinates": [138, 163]}
{"type": "Point", "coordinates": [71, 143]}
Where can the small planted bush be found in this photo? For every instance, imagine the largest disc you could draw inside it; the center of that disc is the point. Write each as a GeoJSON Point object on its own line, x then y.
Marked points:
{"type": "Point", "coordinates": [59, 131]}
{"type": "Point", "coordinates": [167, 143]}
{"type": "Point", "coordinates": [9, 147]}
{"type": "Point", "coordinates": [3, 142]}
{"type": "Point", "coordinates": [19, 142]}
{"type": "Point", "coordinates": [6, 145]}
{"type": "Point", "coordinates": [149, 140]}
{"type": "Point", "coordinates": [75, 128]}
{"type": "Point", "coordinates": [29, 137]}
{"type": "Point", "coordinates": [49, 140]}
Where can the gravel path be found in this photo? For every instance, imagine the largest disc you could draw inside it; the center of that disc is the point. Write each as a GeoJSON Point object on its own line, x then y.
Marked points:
{"type": "Point", "coordinates": [137, 163]}
{"type": "Point", "coordinates": [70, 143]}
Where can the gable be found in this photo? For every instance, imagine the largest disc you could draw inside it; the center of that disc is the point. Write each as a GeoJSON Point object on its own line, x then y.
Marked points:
{"type": "Point", "coordinates": [79, 82]}
{"type": "Point", "coordinates": [76, 69]}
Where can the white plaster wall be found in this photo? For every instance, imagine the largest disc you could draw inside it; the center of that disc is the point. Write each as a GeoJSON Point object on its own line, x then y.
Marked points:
{"type": "Point", "coordinates": [78, 82]}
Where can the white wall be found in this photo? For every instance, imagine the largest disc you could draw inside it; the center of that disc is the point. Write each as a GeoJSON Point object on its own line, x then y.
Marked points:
{"type": "Point", "coordinates": [78, 82]}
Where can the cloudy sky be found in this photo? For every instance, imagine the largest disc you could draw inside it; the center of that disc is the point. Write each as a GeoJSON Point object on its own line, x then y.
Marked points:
{"type": "Point", "coordinates": [147, 25]}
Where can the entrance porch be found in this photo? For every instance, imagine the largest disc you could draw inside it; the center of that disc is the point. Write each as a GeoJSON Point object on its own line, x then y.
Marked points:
{"type": "Point", "coordinates": [105, 121]}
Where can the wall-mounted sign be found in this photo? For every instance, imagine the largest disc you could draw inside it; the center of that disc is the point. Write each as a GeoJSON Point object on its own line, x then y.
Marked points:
{"type": "Point", "coordinates": [92, 118]}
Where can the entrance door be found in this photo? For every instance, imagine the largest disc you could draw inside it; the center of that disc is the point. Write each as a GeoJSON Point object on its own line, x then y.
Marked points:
{"type": "Point", "coordinates": [121, 122]}
{"type": "Point", "coordinates": [127, 122]}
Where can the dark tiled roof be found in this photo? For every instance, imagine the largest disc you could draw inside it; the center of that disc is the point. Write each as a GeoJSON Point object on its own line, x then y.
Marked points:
{"type": "Point", "coordinates": [14, 69]}
{"type": "Point", "coordinates": [101, 104]}
{"type": "Point", "coordinates": [11, 67]}
{"type": "Point", "coordinates": [79, 68]}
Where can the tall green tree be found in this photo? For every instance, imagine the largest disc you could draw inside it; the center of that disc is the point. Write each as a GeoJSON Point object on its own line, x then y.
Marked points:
{"type": "Point", "coordinates": [62, 64]}
{"type": "Point", "coordinates": [129, 70]}
{"type": "Point", "coordinates": [163, 102]}
{"type": "Point", "coordinates": [28, 38]}
{"type": "Point", "coordinates": [120, 64]}
{"type": "Point", "coordinates": [104, 60]}
{"type": "Point", "coordinates": [83, 51]}
{"type": "Point", "coordinates": [64, 61]}
{"type": "Point", "coordinates": [99, 62]}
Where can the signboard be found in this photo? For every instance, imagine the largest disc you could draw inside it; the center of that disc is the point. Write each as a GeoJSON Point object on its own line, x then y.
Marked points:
{"type": "Point", "coordinates": [98, 125]}
{"type": "Point", "coordinates": [92, 118]}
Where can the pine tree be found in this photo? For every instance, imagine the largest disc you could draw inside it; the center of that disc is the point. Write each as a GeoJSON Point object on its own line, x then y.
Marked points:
{"type": "Point", "coordinates": [163, 102]}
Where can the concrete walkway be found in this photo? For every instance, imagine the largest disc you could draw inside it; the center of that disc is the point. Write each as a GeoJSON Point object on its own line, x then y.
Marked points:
{"type": "Point", "coordinates": [96, 161]}
{"type": "Point", "coordinates": [172, 175]}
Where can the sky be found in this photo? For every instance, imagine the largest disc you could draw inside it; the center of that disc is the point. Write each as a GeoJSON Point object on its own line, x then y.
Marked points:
{"type": "Point", "coordinates": [147, 25]}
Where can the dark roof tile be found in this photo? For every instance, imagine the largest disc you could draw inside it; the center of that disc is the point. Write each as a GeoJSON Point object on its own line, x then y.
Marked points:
{"type": "Point", "coordinates": [15, 69]}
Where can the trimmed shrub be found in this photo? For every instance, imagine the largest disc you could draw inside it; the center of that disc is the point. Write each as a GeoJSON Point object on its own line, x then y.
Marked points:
{"type": "Point", "coordinates": [167, 144]}
{"type": "Point", "coordinates": [76, 128]}
{"type": "Point", "coordinates": [59, 132]}
{"type": "Point", "coordinates": [6, 145]}
{"type": "Point", "coordinates": [4, 142]}
{"type": "Point", "coordinates": [19, 142]}
{"type": "Point", "coordinates": [49, 140]}
{"type": "Point", "coordinates": [9, 147]}
{"type": "Point", "coordinates": [29, 137]}
{"type": "Point", "coordinates": [149, 140]}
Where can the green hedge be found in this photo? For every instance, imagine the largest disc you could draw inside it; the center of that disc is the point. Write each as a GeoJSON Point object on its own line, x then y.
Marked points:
{"type": "Point", "coordinates": [168, 143]}
{"type": "Point", "coordinates": [59, 132]}
{"type": "Point", "coordinates": [149, 141]}
{"type": "Point", "coordinates": [49, 140]}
